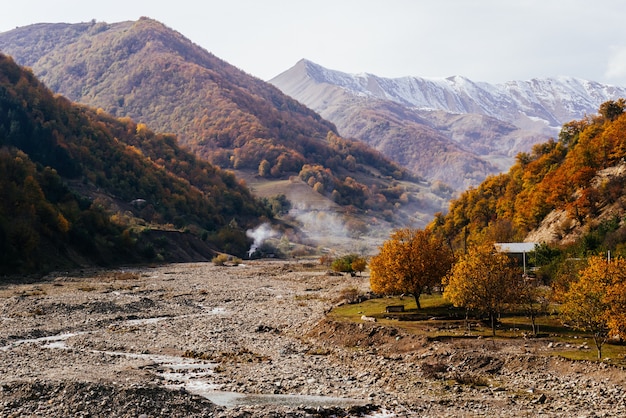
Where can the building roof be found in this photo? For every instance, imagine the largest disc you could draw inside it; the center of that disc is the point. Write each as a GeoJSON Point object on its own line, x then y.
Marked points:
{"type": "Point", "coordinates": [516, 247]}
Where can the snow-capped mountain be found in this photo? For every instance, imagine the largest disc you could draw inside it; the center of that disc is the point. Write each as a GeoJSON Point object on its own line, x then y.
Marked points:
{"type": "Point", "coordinates": [553, 101]}
{"type": "Point", "coordinates": [451, 129]}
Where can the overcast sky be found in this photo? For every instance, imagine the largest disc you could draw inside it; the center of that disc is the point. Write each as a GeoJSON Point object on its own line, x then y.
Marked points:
{"type": "Point", "coordinates": [484, 40]}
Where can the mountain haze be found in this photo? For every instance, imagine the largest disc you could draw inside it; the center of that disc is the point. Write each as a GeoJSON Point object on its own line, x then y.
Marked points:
{"type": "Point", "coordinates": [482, 125]}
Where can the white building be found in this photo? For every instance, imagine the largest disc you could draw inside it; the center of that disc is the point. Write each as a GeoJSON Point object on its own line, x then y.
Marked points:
{"type": "Point", "coordinates": [517, 250]}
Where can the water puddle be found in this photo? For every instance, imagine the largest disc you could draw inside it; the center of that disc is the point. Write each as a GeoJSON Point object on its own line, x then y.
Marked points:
{"type": "Point", "coordinates": [144, 321]}
{"type": "Point", "coordinates": [195, 376]}
{"type": "Point", "coordinates": [51, 341]}
{"type": "Point", "coordinates": [232, 399]}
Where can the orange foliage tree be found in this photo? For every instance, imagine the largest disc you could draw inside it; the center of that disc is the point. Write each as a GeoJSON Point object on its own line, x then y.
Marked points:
{"type": "Point", "coordinates": [409, 262]}
{"type": "Point", "coordinates": [596, 302]}
{"type": "Point", "coordinates": [483, 280]}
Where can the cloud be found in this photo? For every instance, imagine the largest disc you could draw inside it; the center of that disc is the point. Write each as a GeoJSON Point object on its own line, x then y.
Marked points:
{"type": "Point", "coordinates": [485, 40]}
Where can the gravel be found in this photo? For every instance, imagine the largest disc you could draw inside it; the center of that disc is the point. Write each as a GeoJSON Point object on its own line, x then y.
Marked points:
{"type": "Point", "coordinates": [254, 340]}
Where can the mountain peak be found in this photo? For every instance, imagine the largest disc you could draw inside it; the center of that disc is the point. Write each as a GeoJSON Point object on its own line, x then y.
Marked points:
{"type": "Point", "coordinates": [551, 101]}
{"type": "Point", "coordinates": [450, 129]}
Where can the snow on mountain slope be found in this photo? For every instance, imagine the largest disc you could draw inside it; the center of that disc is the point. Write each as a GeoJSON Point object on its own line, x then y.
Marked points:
{"type": "Point", "coordinates": [550, 101]}
{"type": "Point", "coordinates": [453, 130]}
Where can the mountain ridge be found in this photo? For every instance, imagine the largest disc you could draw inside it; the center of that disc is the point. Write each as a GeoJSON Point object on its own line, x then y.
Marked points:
{"type": "Point", "coordinates": [458, 94]}
{"type": "Point", "coordinates": [568, 194]}
{"type": "Point", "coordinates": [450, 129]}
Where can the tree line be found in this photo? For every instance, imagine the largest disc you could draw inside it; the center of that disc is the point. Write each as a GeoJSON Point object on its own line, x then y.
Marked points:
{"type": "Point", "coordinates": [488, 282]}
{"type": "Point", "coordinates": [559, 175]}
{"type": "Point", "coordinates": [220, 113]}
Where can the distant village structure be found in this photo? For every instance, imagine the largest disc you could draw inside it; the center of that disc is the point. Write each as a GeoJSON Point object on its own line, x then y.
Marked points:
{"type": "Point", "coordinates": [517, 250]}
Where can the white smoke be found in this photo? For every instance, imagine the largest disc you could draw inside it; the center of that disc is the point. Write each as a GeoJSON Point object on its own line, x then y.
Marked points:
{"type": "Point", "coordinates": [321, 225]}
{"type": "Point", "coordinates": [259, 235]}
{"type": "Point", "coordinates": [329, 228]}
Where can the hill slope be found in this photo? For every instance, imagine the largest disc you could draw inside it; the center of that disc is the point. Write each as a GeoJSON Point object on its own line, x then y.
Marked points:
{"type": "Point", "coordinates": [473, 129]}
{"type": "Point", "coordinates": [81, 187]}
{"type": "Point", "coordinates": [152, 74]}
{"type": "Point", "coordinates": [569, 192]}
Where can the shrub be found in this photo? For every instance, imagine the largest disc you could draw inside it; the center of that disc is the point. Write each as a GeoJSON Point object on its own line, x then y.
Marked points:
{"type": "Point", "coordinates": [326, 260]}
{"type": "Point", "coordinates": [148, 251]}
{"type": "Point", "coordinates": [470, 379]}
{"type": "Point", "coordinates": [349, 294]}
{"type": "Point", "coordinates": [220, 259]}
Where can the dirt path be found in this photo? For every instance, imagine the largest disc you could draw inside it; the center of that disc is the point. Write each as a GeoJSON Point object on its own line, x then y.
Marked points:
{"type": "Point", "coordinates": [253, 339]}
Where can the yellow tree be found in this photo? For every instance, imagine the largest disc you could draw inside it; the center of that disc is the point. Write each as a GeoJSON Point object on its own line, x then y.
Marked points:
{"type": "Point", "coordinates": [483, 280]}
{"type": "Point", "coordinates": [359, 264]}
{"type": "Point", "coordinates": [595, 303]}
{"type": "Point", "coordinates": [264, 168]}
{"type": "Point", "coordinates": [409, 262]}
{"type": "Point", "coordinates": [616, 298]}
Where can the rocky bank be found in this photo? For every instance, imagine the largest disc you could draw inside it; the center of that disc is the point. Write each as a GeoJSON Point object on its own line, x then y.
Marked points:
{"type": "Point", "coordinates": [199, 340]}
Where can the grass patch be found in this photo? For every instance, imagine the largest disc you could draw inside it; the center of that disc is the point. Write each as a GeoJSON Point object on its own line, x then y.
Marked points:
{"type": "Point", "coordinates": [470, 379]}
{"type": "Point", "coordinates": [371, 307]}
{"type": "Point", "coordinates": [436, 317]}
{"type": "Point", "coordinates": [581, 347]}
{"type": "Point", "coordinates": [318, 352]}
{"type": "Point", "coordinates": [546, 325]}
{"type": "Point", "coordinates": [439, 320]}
{"type": "Point", "coordinates": [432, 306]}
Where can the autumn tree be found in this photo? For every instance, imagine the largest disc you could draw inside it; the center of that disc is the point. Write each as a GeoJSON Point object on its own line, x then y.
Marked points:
{"type": "Point", "coordinates": [612, 109]}
{"type": "Point", "coordinates": [278, 205]}
{"type": "Point", "coordinates": [350, 263]}
{"type": "Point", "coordinates": [409, 262]}
{"type": "Point", "coordinates": [264, 168]}
{"type": "Point", "coordinates": [595, 303]}
{"type": "Point", "coordinates": [616, 299]}
{"type": "Point", "coordinates": [532, 298]}
{"type": "Point", "coordinates": [359, 265]}
{"type": "Point", "coordinates": [484, 280]}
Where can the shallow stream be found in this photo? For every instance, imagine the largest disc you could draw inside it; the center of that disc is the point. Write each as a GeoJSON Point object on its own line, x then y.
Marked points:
{"type": "Point", "coordinates": [193, 375]}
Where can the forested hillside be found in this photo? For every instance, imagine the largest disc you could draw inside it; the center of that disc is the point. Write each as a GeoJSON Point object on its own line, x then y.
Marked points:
{"type": "Point", "coordinates": [81, 187]}
{"type": "Point", "coordinates": [154, 75]}
{"type": "Point", "coordinates": [568, 192]}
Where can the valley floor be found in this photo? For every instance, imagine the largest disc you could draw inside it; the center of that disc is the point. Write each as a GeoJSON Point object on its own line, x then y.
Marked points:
{"type": "Point", "coordinates": [188, 340]}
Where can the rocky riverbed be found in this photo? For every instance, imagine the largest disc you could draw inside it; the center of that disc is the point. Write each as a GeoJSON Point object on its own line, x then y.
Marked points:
{"type": "Point", "coordinates": [196, 340]}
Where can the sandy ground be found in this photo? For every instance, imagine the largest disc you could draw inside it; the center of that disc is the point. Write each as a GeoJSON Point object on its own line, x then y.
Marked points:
{"type": "Point", "coordinates": [253, 340]}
